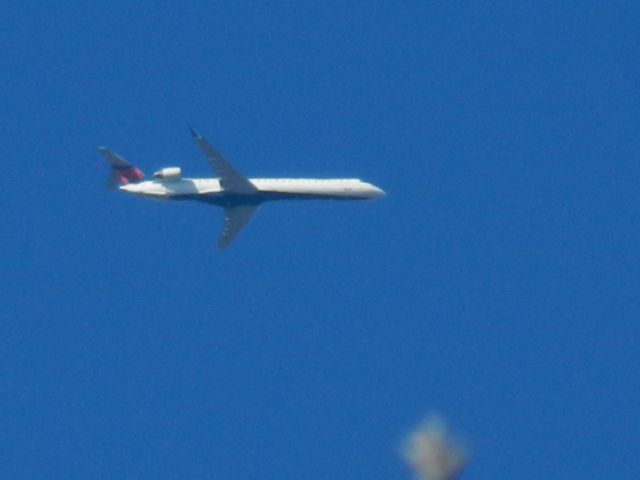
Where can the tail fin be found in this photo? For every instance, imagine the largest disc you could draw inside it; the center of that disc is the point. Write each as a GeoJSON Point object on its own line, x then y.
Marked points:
{"type": "Point", "coordinates": [121, 171]}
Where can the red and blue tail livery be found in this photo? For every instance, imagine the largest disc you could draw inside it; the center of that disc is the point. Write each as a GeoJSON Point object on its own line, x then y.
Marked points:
{"type": "Point", "coordinates": [122, 172]}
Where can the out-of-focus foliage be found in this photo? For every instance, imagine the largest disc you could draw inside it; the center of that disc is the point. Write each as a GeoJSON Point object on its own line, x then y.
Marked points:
{"type": "Point", "coordinates": [433, 452]}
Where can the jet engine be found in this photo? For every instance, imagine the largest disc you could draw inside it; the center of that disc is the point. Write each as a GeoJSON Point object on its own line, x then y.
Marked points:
{"type": "Point", "coordinates": [169, 174]}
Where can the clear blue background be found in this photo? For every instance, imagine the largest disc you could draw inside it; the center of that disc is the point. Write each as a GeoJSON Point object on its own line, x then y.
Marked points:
{"type": "Point", "coordinates": [497, 283]}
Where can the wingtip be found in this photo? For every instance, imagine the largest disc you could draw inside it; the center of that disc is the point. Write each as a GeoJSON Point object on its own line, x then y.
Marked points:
{"type": "Point", "coordinates": [194, 134]}
{"type": "Point", "coordinates": [223, 242]}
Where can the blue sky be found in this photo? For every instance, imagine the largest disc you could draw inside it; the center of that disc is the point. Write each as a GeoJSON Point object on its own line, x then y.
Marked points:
{"type": "Point", "coordinates": [497, 283]}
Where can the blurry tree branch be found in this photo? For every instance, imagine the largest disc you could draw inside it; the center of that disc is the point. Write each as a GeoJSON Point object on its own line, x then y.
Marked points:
{"type": "Point", "coordinates": [434, 453]}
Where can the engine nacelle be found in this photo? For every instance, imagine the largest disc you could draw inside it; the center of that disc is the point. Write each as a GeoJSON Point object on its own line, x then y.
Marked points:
{"type": "Point", "coordinates": [169, 174]}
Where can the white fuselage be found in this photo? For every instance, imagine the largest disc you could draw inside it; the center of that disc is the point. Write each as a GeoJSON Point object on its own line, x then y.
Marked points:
{"type": "Point", "coordinates": [240, 197]}
{"type": "Point", "coordinates": [209, 190]}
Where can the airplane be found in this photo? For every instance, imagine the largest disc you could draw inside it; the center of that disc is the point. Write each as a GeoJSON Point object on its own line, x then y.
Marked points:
{"type": "Point", "coordinates": [240, 197]}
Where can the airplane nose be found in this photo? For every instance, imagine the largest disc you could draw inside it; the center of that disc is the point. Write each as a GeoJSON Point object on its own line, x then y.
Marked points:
{"type": "Point", "coordinates": [378, 192]}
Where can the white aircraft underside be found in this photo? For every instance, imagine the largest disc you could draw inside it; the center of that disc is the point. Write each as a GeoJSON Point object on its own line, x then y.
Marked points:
{"type": "Point", "coordinates": [209, 190]}
{"type": "Point", "coordinates": [239, 196]}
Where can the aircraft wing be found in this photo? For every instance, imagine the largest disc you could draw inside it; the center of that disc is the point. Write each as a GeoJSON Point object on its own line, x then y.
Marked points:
{"type": "Point", "coordinates": [230, 179]}
{"type": "Point", "coordinates": [235, 218]}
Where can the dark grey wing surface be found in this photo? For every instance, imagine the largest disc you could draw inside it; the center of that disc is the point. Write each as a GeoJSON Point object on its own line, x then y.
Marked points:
{"type": "Point", "coordinates": [235, 218]}
{"type": "Point", "coordinates": [230, 179]}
